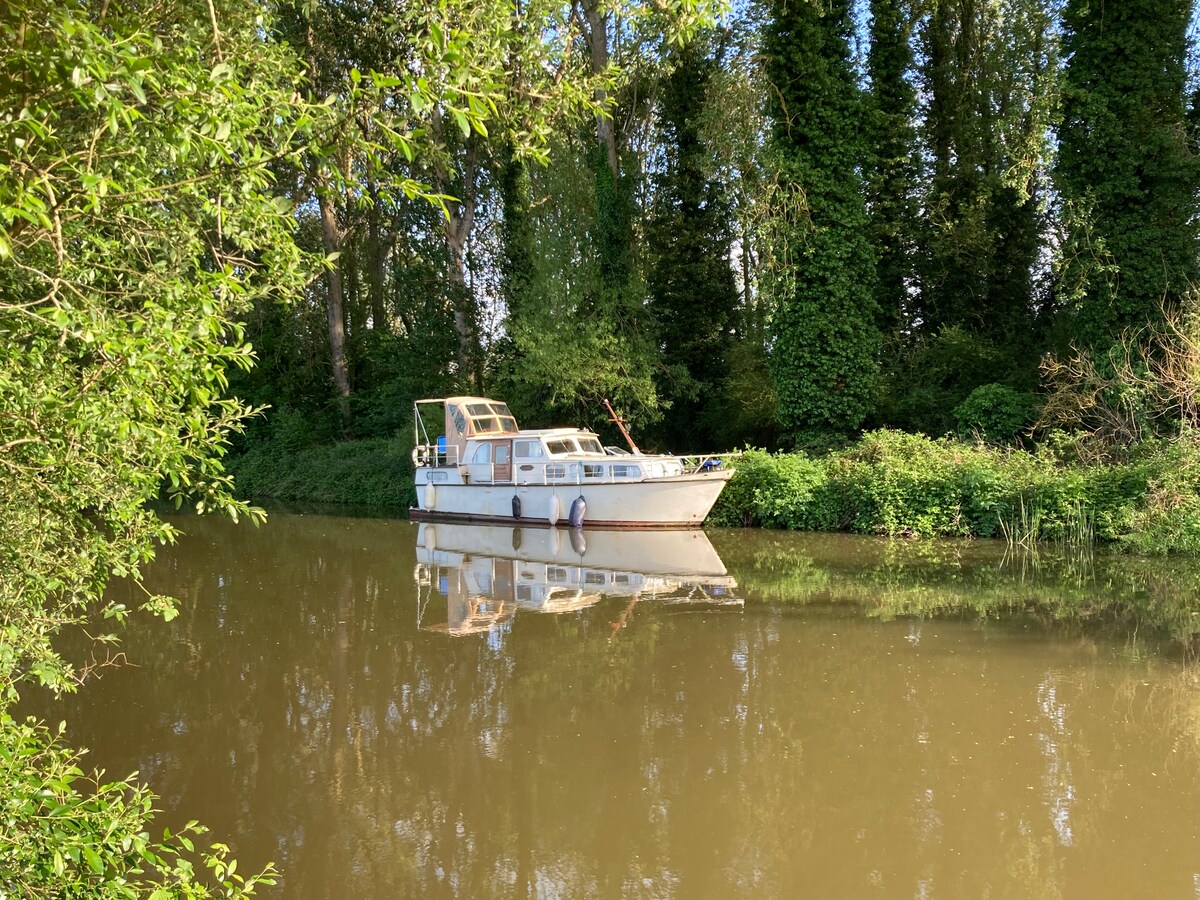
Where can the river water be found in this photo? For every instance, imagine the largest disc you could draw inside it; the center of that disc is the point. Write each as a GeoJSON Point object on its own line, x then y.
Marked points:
{"type": "Point", "coordinates": [392, 711]}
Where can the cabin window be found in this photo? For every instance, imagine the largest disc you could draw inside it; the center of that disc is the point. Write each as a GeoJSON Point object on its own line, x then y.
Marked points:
{"type": "Point", "coordinates": [483, 454]}
{"type": "Point", "coordinates": [590, 445]}
{"type": "Point", "coordinates": [561, 448]}
{"type": "Point", "coordinates": [590, 470]}
{"type": "Point", "coordinates": [556, 472]}
{"type": "Point", "coordinates": [502, 451]}
{"type": "Point", "coordinates": [627, 471]}
{"type": "Point", "coordinates": [528, 449]}
{"type": "Point", "coordinates": [439, 476]}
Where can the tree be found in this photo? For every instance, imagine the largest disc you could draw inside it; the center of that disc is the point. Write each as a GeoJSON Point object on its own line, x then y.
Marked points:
{"type": "Point", "coordinates": [825, 332]}
{"type": "Point", "coordinates": [891, 176]}
{"type": "Point", "coordinates": [138, 216]}
{"type": "Point", "coordinates": [988, 74]}
{"type": "Point", "coordinates": [691, 286]}
{"type": "Point", "coordinates": [1125, 165]}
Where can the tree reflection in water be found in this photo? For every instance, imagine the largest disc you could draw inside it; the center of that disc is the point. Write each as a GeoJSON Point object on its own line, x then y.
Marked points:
{"type": "Point", "coordinates": [972, 734]}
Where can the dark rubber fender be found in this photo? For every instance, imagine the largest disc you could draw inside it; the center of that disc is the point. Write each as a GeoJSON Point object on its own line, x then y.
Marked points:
{"type": "Point", "coordinates": [578, 511]}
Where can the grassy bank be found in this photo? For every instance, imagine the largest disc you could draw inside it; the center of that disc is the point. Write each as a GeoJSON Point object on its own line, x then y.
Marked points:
{"type": "Point", "coordinates": [888, 483]}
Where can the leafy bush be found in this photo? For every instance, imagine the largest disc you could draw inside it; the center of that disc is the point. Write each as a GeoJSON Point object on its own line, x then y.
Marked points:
{"type": "Point", "coordinates": [995, 412]}
{"type": "Point", "coordinates": [68, 834]}
{"type": "Point", "coordinates": [895, 483]}
{"type": "Point", "coordinates": [769, 490]}
{"type": "Point", "coordinates": [907, 484]}
{"type": "Point", "coordinates": [1169, 517]}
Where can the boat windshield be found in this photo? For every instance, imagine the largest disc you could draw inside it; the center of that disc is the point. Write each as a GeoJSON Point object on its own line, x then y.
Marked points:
{"type": "Point", "coordinates": [491, 418]}
{"type": "Point", "coordinates": [565, 446]}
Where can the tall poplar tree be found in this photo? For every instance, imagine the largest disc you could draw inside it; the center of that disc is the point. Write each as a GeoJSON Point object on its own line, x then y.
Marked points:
{"type": "Point", "coordinates": [825, 332]}
{"type": "Point", "coordinates": [1124, 160]}
{"type": "Point", "coordinates": [891, 176]}
{"type": "Point", "coordinates": [983, 74]}
{"type": "Point", "coordinates": [691, 286]}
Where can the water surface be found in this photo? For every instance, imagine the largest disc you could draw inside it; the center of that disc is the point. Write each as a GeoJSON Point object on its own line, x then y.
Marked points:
{"type": "Point", "coordinates": [456, 712]}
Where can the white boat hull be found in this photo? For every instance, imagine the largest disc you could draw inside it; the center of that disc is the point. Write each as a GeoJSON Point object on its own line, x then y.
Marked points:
{"type": "Point", "coordinates": [678, 501]}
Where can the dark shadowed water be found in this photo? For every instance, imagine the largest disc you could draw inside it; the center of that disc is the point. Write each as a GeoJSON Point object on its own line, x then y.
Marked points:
{"type": "Point", "coordinates": [390, 712]}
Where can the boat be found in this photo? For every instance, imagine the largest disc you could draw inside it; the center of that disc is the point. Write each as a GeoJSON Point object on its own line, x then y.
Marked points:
{"type": "Point", "coordinates": [480, 467]}
{"type": "Point", "coordinates": [484, 575]}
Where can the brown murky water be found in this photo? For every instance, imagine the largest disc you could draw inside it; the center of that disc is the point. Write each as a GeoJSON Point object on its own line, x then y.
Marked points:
{"type": "Point", "coordinates": [477, 713]}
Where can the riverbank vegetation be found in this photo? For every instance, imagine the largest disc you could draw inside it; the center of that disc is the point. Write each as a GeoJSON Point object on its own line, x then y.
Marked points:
{"type": "Point", "coordinates": [980, 221]}
{"type": "Point", "coordinates": [780, 228]}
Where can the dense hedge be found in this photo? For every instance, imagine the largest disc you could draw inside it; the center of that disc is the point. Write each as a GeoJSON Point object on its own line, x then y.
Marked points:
{"type": "Point", "coordinates": [375, 472]}
{"type": "Point", "coordinates": [895, 483]}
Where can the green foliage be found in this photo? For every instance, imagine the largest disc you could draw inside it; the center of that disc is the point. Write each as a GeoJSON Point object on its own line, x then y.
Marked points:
{"type": "Point", "coordinates": [376, 472]}
{"type": "Point", "coordinates": [926, 376]}
{"type": "Point", "coordinates": [1125, 157]}
{"type": "Point", "coordinates": [900, 484]}
{"type": "Point", "coordinates": [65, 833]}
{"type": "Point", "coordinates": [1168, 519]}
{"type": "Point", "coordinates": [140, 148]}
{"type": "Point", "coordinates": [892, 172]}
{"type": "Point", "coordinates": [996, 412]}
{"type": "Point", "coordinates": [989, 72]}
{"type": "Point", "coordinates": [575, 339]}
{"type": "Point", "coordinates": [771, 490]}
{"type": "Point", "coordinates": [137, 218]}
{"type": "Point", "coordinates": [824, 316]}
{"type": "Point", "coordinates": [692, 296]}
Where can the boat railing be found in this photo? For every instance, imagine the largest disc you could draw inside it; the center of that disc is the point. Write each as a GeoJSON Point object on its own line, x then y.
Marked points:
{"type": "Point", "coordinates": [705, 462]}
{"type": "Point", "coordinates": [436, 456]}
{"type": "Point", "coordinates": [571, 472]}
{"type": "Point", "coordinates": [581, 472]}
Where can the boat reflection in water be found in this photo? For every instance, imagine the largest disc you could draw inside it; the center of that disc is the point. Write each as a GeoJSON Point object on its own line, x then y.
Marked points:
{"type": "Point", "coordinates": [485, 573]}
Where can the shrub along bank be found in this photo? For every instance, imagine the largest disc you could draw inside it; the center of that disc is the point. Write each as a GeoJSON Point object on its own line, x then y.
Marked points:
{"type": "Point", "coordinates": [895, 483]}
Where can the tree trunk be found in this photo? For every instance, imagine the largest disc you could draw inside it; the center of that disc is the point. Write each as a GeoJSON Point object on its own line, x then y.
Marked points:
{"type": "Point", "coordinates": [460, 218]}
{"type": "Point", "coordinates": [332, 238]}
{"type": "Point", "coordinates": [597, 38]}
{"type": "Point", "coordinates": [377, 251]}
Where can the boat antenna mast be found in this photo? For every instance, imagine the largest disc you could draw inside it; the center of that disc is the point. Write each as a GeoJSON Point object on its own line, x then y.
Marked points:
{"type": "Point", "coordinates": [620, 423]}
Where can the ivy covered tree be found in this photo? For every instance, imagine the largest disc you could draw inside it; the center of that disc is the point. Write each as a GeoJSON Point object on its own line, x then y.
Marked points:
{"type": "Point", "coordinates": [984, 76]}
{"type": "Point", "coordinates": [1125, 164]}
{"type": "Point", "coordinates": [692, 291]}
{"type": "Point", "coordinates": [891, 174]}
{"type": "Point", "coordinates": [825, 332]}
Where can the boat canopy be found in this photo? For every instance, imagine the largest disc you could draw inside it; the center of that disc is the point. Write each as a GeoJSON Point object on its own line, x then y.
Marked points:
{"type": "Point", "coordinates": [464, 418]}
{"type": "Point", "coordinates": [468, 417]}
